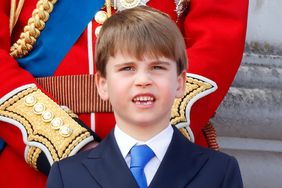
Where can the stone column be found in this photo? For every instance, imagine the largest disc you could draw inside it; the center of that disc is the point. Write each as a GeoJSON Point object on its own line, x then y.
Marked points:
{"type": "Point", "coordinates": [249, 120]}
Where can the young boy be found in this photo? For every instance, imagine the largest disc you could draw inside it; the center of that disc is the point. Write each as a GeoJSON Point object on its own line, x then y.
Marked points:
{"type": "Point", "coordinates": [141, 68]}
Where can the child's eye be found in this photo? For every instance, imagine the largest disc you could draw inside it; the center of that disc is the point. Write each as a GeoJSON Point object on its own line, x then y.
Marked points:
{"type": "Point", "coordinates": [158, 67]}
{"type": "Point", "coordinates": [129, 68]}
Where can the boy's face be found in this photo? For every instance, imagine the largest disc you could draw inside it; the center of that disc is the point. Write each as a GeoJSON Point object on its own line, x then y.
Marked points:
{"type": "Point", "coordinates": [141, 92]}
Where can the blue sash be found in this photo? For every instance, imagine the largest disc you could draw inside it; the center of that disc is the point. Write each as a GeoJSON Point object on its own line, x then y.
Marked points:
{"type": "Point", "coordinates": [66, 23]}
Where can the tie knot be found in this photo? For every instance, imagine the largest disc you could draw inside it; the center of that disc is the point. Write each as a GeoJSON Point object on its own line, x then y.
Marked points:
{"type": "Point", "coordinates": [140, 156]}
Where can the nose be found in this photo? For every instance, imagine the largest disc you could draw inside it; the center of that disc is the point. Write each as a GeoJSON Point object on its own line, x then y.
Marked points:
{"type": "Point", "coordinates": [143, 79]}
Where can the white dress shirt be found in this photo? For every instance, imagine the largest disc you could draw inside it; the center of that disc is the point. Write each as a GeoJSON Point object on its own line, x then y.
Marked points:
{"type": "Point", "coordinates": [158, 144]}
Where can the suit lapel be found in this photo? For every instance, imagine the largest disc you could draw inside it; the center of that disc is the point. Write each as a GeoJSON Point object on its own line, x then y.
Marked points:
{"type": "Point", "coordinates": [181, 163]}
{"type": "Point", "coordinates": [108, 167]}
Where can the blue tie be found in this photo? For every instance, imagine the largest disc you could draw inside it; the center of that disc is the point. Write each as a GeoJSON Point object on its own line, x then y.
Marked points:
{"type": "Point", "coordinates": [140, 156]}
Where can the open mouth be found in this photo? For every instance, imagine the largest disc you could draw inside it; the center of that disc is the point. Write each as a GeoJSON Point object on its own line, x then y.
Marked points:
{"type": "Point", "coordinates": [144, 99]}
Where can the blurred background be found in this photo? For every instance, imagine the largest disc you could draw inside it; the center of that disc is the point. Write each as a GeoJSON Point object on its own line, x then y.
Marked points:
{"type": "Point", "coordinates": [249, 121]}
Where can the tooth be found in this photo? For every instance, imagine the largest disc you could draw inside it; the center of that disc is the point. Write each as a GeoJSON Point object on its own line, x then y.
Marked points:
{"type": "Point", "coordinates": [143, 99]}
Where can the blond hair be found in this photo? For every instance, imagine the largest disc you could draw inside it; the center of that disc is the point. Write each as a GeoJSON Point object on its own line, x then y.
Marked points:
{"type": "Point", "coordinates": [139, 32]}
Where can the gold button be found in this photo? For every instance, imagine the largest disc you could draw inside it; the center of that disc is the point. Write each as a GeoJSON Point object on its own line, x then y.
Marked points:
{"type": "Point", "coordinates": [47, 116]}
{"type": "Point", "coordinates": [56, 123]}
{"type": "Point", "coordinates": [29, 100]}
{"type": "Point", "coordinates": [65, 131]}
{"type": "Point", "coordinates": [39, 108]}
{"type": "Point", "coordinates": [101, 17]}
{"type": "Point", "coordinates": [97, 30]}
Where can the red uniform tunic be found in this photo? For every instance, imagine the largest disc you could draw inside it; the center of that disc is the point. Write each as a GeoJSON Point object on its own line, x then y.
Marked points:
{"type": "Point", "coordinates": [214, 33]}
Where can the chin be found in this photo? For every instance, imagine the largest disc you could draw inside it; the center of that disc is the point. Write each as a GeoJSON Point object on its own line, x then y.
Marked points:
{"type": "Point", "coordinates": [146, 122]}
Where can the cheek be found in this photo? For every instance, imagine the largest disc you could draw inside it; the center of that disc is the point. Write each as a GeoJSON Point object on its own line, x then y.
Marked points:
{"type": "Point", "coordinates": [168, 89]}
{"type": "Point", "coordinates": [117, 89]}
{"type": "Point", "coordinates": [170, 83]}
{"type": "Point", "coordinates": [114, 90]}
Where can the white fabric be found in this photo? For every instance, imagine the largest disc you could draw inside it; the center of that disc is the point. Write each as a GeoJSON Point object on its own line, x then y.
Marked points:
{"type": "Point", "coordinates": [158, 144]}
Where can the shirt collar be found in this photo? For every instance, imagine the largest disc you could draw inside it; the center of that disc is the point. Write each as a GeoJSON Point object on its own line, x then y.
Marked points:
{"type": "Point", "coordinates": [126, 142]}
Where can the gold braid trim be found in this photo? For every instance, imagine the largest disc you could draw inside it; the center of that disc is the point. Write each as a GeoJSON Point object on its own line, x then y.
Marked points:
{"type": "Point", "coordinates": [184, 131]}
{"type": "Point", "coordinates": [196, 87]}
{"type": "Point", "coordinates": [193, 87]}
{"type": "Point", "coordinates": [32, 156]}
{"type": "Point", "coordinates": [36, 113]}
{"type": "Point", "coordinates": [32, 30]}
{"type": "Point", "coordinates": [15, 13]}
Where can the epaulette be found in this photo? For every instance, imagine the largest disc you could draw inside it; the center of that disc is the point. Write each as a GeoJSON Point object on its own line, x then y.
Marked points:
{"type": "Point", "coordinates": [196, 87]}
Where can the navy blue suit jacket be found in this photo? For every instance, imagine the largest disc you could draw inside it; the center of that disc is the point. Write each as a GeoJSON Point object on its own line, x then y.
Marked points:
{"type": "Point", "coordinates": [184, 165]}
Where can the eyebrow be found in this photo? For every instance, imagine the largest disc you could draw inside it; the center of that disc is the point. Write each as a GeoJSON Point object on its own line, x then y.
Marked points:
{"type": "Point", "coordinates": [154, 62]}
{"type": "Point", "coordinates": [160, 63]}
{"type": "Point", "coordinates": [124, 64]}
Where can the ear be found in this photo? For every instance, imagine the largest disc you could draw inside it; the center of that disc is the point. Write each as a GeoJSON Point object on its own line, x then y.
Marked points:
{"type": "Point", "coordinates": [181, 85]}
{"type": "Point", "coordinates": [102, 86]}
